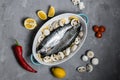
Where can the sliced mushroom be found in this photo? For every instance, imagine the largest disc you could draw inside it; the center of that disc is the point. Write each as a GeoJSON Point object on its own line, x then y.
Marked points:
{"type": "Point", "coordinates": [74, 22]}
{"type": "Point", "coordinates": [77, 40]}
{"type": "Point", "coordinates": [73, 48]}
{"type": "Point", "coordinates": [61, 55]}
{"type": "Point", "coordinates": [62, 22]}
{"type": "Point", "coordinates": [40, 38]}
{"type": "Point", "coordinates": [81, 69]}
{"type": "Point", "coordinates": [55, 24]}
{"type": "Point", "coordinates": [89, 68]}
{"type": "Point", "coordinates": [54, 57]}
{"type": "Point", "coordinates": [39, 56]}
{"type": "Point", "coordinates": [67, 51]}
{"type": "Point", "coordinates": [46, 32]}
{"type": "Point", "coordinates": [47, 59]}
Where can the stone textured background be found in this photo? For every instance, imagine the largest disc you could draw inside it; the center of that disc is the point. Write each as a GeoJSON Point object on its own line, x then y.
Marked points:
{"type": "Point", "coordinates": [101, 12]}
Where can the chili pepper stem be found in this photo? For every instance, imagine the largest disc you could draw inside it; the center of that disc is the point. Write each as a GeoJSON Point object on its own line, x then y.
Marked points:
{"type": "Point", "coordinates": [16, 42]}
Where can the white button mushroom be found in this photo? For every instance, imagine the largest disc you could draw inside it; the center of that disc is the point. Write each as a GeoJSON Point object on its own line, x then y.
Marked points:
{"type": "Point", "coordinates": [89, 68]}
{"type": "Point", "coordinates": [84, 58]}
{"type": "Point", "coordinates": [95, 61]}
{"type": "Point", "coordinates": [90, 54]}
{"type": "Point", "coordinates": [81, 69]}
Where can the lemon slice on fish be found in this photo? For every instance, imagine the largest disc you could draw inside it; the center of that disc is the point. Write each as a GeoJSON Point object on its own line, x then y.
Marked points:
{"type": "Point", "coordinates": [51, 11]}
{"type": "Point", "coordinates": [42, 15]}
{"type": "Point", "coordinates": [30, 23]}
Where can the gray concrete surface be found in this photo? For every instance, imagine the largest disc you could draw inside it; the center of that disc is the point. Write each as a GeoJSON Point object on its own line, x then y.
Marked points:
{"type": "Point", "coordinates": [101, 12]}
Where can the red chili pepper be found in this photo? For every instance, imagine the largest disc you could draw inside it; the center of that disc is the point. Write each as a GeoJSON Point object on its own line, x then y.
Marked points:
{"type": "Point", "coordinates": [18, 54]}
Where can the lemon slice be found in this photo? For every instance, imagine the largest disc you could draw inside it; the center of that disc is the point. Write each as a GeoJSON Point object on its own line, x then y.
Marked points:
{"type": "Point", "coordinates": [73, 17]}
{"type": "Point", "coordinates": [30, 23]}
{"type": "Point", "coordinates": [51, 11]}
{"type": "Point", "coordinates": [42, 15]}
{"type": "Point", "coordinates": [58, 72]}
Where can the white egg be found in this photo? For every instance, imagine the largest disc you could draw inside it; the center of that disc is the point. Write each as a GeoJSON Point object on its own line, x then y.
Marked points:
{"type": "Point", "coordinates": [95, 61]}
{"type": "Point", "coordinates": [90, 54]}
{"type": "Point", "coordinates": [84, 58]}
{"type": "Point", "coordinates": [73, 48]}
{"type": "Point", "coordinates": [89, 68]}
{"type": "Point", "coordinates": [46, 32]}
{"type": "Point", "coordinates": [81, 69]}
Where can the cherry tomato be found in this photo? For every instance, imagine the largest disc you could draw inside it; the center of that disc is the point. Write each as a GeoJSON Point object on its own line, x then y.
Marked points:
{"type": "Point", "coordinates": [95, 28]}
{"type": "Point", "coordinates": [102, 29]}
{"type": "Point", "coordinates": [98, 34]}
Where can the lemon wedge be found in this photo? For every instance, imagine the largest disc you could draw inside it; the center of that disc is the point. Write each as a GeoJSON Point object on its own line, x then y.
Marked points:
{"type": "Point", "coordinates": [51, 11]}
{"type": "Point", "coordinates": [42, 15]}
{"type": "Point", "coordinates": [30, 23]}
{"type": "Point", "coordinates": [58, 72]}
{"type": "Point", "coordinates": [73, 17]}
